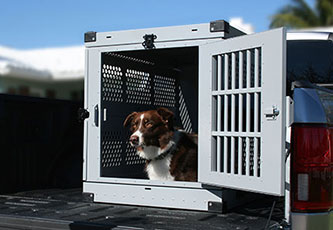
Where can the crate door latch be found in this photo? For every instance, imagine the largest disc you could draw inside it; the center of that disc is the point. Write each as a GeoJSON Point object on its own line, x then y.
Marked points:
{"type": "Point", "coordinates": [272, 113]}
{"type": "Point", "coordinates": [82, 114]}
{"type": "Point", "coordinates": [149, 40]}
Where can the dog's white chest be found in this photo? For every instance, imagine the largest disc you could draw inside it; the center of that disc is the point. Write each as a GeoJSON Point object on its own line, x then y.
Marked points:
{"type": "Point", "coordinates": [160, 169]}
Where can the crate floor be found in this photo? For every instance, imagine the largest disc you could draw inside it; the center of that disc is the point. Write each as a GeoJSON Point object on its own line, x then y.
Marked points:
{"type": "Point", "coordinates": [69, 209]}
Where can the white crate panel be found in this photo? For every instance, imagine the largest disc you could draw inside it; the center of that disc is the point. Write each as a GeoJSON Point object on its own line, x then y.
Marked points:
{"type": "Point", "coordinates": [247, 76]}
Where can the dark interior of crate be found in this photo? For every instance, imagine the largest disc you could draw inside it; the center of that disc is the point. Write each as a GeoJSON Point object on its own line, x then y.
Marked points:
{"type": "Point", "coordinates": [138, 81]}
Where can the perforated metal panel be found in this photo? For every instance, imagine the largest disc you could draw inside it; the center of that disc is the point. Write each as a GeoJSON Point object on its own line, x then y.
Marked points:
{"type": "Point", "coordinates": [131, 157]}
{"type": "Point", "coordinates": [132, 84]}
{"type": "Point", "coordinates": [111, 152]}
{"type": "Point", "coordinates": [112, 88]}
{"type": "Point", "coordinates": [241, 133]}
{"type": "Point", "coordinates": [165, 91]}
{"type": "Point", "coordinates": [184, 113]}
{"type": "Point", "coordinates": [138, 87]}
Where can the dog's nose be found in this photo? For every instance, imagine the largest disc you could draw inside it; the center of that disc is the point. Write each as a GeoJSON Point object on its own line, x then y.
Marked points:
{"type": "Point", "coordinates": [134, 140]}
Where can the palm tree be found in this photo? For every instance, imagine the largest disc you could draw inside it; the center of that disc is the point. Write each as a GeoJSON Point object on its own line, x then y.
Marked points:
{"type": "Point", "coordinates": [301, 15]}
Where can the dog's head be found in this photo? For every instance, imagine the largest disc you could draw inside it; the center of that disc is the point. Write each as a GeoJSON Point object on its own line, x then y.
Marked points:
{"type": "Point", "coordinates": [149, 127]}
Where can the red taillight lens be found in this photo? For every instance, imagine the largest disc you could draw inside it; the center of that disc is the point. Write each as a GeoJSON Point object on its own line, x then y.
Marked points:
{"type": "Point", "coordinates": [312, 168]}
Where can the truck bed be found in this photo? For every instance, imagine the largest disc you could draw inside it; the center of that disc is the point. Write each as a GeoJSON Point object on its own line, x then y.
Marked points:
{"type": "Point", "coordinates": [43, 149]}
{"type": "Point", "coordinates": [70, 209]}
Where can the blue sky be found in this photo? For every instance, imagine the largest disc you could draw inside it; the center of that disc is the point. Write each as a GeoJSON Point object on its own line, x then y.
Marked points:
{"type": "Point", "coordinates": [27, 24]}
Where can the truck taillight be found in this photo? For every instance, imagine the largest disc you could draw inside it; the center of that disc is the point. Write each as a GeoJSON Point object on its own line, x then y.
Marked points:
{"type": "Point", "coordinates": [312, 168]}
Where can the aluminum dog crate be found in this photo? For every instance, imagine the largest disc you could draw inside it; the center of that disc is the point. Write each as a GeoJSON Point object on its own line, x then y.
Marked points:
{"type": "Point", "coordinates": [228, 88]}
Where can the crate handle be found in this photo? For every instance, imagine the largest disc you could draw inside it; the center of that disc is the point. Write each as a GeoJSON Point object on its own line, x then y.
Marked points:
{"type": "Point", "coordinates": [96, 120]}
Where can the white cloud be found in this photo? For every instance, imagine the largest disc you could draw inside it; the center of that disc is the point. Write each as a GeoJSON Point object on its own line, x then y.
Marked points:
{"type": "Point", "coordinates": [238, 23]}
{"type": "Point", "coordinates": [48, 63]}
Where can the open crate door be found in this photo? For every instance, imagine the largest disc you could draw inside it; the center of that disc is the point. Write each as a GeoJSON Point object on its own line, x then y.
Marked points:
{"type": "Point", "coordinates": [242, 112]}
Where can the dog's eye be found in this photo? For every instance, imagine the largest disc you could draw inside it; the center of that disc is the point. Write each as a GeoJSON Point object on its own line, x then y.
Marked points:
{"type": "Point", "coordinates": [149, 124]}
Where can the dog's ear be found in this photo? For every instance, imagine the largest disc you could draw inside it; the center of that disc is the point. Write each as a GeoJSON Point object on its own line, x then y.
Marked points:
{"type": "Point", "coordinates": [129, 119]}
{"type": "Point", "coordinates": [166, 115]}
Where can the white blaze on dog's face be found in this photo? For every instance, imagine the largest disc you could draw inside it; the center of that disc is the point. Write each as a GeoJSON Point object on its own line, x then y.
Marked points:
{"type": "Point", "coordinates": [148, 129]}
{"type": "Point", "coordinates": [138, 133]}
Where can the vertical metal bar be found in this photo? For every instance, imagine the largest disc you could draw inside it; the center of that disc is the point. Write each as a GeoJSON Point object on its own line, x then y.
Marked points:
{"type": "Point", "coordinates": [232, 153]}
{"type": "Point", "coordinates": [240, 113]}
{"type": "Point", "coordinates": [233, 99]}
{"type": "Point", "coordinates": [241, 86]}
{"type": "Point", "coordinates": [248, 123]}
{"type": "Point", "coordinates": [218, 112]}
{"type": "Point", "coordinates": [248, 109]}
{"type": "Point", "coordinates": [259, 111]}
{"type": "Point", "coordinates": [248, 112]}
{"type": "Point", "coordinates": [255, 157]}
{"type": "Point", "coordinates": [248, 69]}
{"type": "Point", "coordinates": [240, 74]}
{"type": "Point", "coordinates": [225, 139]}
{"type": "Point", "coordinates": [233, 121]}
{"type": "Point", "coordinates": [233, 83]}
{"type": "Point", "coordinates": [214, 74]}
{"type": "Point", "coordinates": [226, 72]}
{"type": "Point", "coordinates": [214, 113]}
{"type": "Point", "coordinates": [247, 169]}
{"type": "Point", "coordinates": [256, 68]}
{"type": "Point", "coordinates": [219, 72]}
{"type": "Point", "coordinates": [226, 113]}
{"type": "Point", "coordinates": [225, 155]}
{"type": "Point", "coordinates": [256, 112]}
{"type": "Point", "coordinates": [240, 154]}
{"type": "Point", "coordinates": [233, 71]}
{"type": "Point", "coordinates": [218, 154]}
{"type": "Point", "coordinates": [214, 154]}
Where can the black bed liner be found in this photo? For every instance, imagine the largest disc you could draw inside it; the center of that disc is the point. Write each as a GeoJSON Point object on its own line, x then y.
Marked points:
{"type": "Point", "coordinates": [69, 209]}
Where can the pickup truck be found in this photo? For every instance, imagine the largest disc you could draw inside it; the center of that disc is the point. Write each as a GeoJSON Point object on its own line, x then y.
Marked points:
{"type": "Point", "coordinates": [43, 165]}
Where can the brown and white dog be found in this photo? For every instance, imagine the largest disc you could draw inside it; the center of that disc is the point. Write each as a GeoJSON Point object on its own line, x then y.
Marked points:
{"type": "Point", "coordinates": [170, 154]}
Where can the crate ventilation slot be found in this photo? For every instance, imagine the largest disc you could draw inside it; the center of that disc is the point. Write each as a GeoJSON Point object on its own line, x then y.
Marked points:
{"type": "Point", "coordinates": [236, 120]}
{"type": "Point", "coordinates": [164, 91]}
{"type": "Point", "coordinates": [138, 87]}
{"type": "Point", "coordinates": [112, 83]}
{"type": "Point", "coordinates": [111, 150]}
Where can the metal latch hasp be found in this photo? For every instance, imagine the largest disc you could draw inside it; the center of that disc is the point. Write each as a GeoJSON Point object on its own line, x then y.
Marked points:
{"type": "Point", "coordinates": [272, 113]}
{"type": "Point", "coordinates": [149, 40]}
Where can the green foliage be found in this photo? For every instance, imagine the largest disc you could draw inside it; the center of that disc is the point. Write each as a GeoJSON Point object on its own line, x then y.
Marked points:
{"type": "Point", "coordinates": [300, 15]}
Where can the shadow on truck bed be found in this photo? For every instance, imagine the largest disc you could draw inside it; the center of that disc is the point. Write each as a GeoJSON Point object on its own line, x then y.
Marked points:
{"type": "Point", "coordinates": [41, 144]}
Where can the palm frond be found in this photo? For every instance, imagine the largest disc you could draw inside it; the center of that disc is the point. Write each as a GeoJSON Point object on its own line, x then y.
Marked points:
{"type": "Point", "coordinates": [289, 21]}
{"type": "Point", "coordinates": [325, 10]}
{"type": "Point", "coordinates": [299, 14]}
{"type": "Point", "coordinates": [304, 11]}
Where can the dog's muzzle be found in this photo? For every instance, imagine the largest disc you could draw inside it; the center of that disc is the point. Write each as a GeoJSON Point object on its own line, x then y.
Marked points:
{"type": "Point", "coordinates": [134, 140]}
